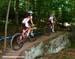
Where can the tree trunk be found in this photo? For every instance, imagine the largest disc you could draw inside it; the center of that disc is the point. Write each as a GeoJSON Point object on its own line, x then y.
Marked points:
{"type": "Point", "coordinates": [74, 10]}
{"type": "Point", "coordinates": [6, 24]}
{"type": "Point", "coordinates": [16, 4]}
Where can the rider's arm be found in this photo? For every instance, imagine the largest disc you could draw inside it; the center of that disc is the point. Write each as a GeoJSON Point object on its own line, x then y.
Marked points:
{"type": "Point", "coordinates": [31, 20]}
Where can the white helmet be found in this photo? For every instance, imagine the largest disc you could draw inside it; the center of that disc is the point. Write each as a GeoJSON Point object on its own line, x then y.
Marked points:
{"type": "Point", "coordinates": [30, 12]}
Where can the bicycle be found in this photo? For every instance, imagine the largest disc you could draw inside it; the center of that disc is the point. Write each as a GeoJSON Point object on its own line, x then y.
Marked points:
{"type": "Point", "coordinates": [16, 44]}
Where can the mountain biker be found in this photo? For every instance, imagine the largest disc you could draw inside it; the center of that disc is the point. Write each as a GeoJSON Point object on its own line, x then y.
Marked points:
{"type": "Point", "coordinates": [51, 22]}
{"type": "Point", "coordinates": [26, 23]}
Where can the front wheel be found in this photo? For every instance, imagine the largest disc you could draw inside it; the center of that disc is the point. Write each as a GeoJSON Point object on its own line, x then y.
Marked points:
{"type": "Point", "coordinates": [15, 45]}
{"type": "Point", "coordinates": [31, 37]}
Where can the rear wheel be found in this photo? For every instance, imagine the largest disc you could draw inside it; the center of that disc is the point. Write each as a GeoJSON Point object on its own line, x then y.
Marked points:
{"type": "Point", "coordinates": [15, 43]}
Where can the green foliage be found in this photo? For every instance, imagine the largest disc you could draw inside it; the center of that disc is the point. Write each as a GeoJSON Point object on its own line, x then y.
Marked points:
{"type": "Point", "coordinates": [3, 7]}
{"type": "Point", "coordinates": [42, 9]}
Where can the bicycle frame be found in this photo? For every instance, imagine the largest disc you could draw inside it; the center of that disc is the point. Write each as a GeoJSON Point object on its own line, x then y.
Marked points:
{"type": "Point", "coordinates": [15, 45]}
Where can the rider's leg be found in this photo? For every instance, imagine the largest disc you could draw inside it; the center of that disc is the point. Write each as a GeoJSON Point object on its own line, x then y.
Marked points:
{"type": "Point", "coordinates": [53, 28]}
{"type": "Point", "coordinates": [23, 32]}
{"type": "Point", "coordinates": [24, 29]}
{"type": "Point", "coordinates": [28, 28]}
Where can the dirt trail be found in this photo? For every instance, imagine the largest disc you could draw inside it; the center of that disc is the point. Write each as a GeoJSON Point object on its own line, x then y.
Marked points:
{"type": "Point", "coordinates": [30, 44]}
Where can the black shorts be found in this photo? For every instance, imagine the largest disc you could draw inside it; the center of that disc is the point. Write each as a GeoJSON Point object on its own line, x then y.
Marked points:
{"type": "Point", "coordinates": [49, 22]}
{"type": "Point", "coordinates": [23, 26]}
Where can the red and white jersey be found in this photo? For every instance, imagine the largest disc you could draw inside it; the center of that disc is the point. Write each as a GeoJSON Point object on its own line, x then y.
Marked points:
{"type": "Point", "coordinates": [26, 20]}
{"type": "Point", "coordinates": [51, 19]}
